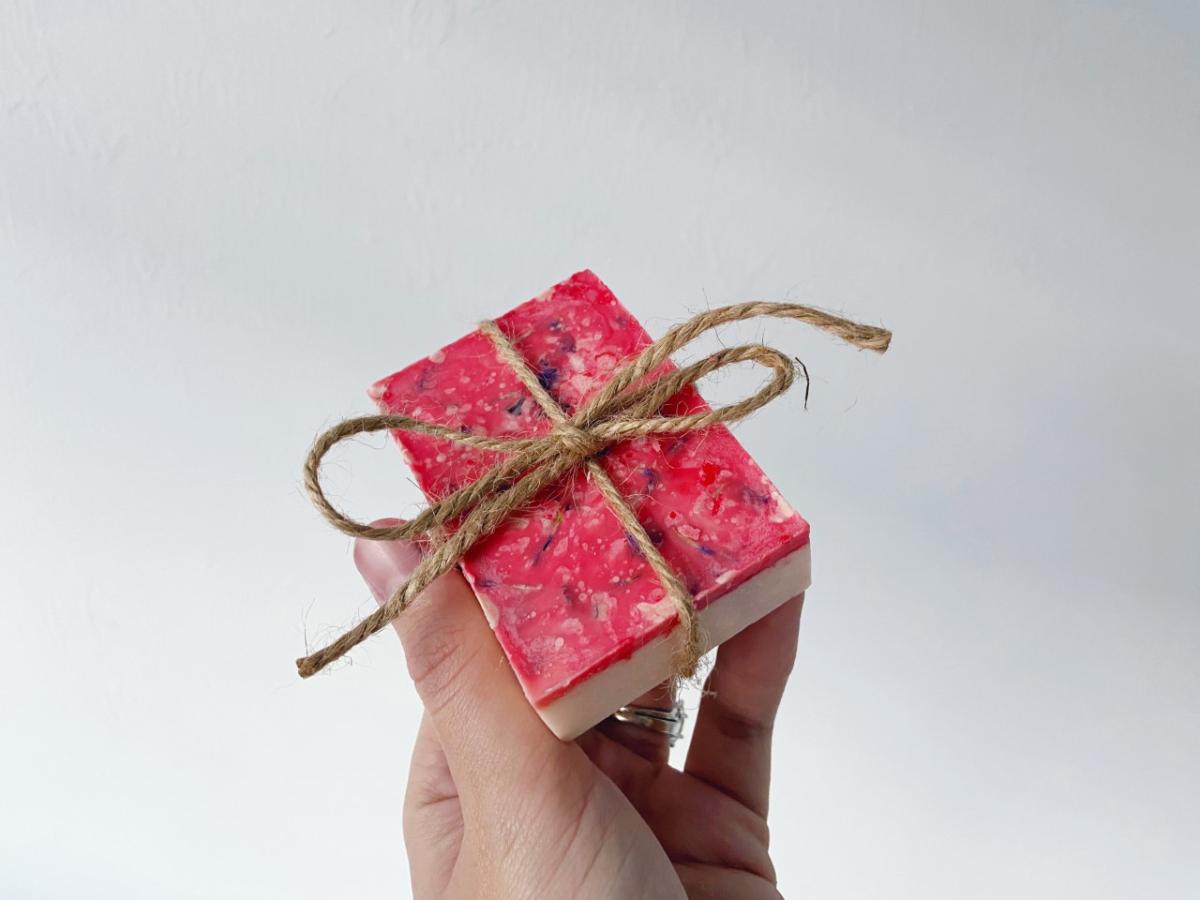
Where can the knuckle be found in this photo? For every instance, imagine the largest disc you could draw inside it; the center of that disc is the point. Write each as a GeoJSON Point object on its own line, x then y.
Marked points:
{"type": "Point", "coordinates": [757, 848]}
{"type": "Point", "coordinates": [436, 659]}
{"type": "Point", "coordinates": [736, 726]}
{"type": "Point", "coordinates": [760, 831]}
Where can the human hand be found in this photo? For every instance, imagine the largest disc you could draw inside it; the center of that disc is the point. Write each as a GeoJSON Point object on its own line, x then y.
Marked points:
{"type": "Point", "coordinates": [497, 806]}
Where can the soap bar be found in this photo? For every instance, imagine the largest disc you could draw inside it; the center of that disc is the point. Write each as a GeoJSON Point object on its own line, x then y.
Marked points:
{"type": "Point", "coordinates": [583, 620]}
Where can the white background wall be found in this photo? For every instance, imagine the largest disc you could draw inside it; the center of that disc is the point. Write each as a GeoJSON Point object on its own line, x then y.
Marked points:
{"type": "Point", "coordinates": [220, 221]}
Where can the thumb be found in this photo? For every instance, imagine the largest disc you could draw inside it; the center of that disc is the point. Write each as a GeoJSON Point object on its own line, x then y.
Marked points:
{"type": "Point", "coordinates": [486, 727]}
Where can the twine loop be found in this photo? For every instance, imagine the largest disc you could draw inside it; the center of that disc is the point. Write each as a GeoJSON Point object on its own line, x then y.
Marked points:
{"type": "Point", "coordinates": [629, 405]}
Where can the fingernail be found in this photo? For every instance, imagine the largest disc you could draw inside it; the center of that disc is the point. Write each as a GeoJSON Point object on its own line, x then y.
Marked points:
{"type": "Point", "coordinates": [385, 565]}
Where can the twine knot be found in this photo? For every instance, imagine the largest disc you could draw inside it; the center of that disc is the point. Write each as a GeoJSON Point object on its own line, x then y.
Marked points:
{"type": "Point", "coordinates": [627, 406]}
{"type": "Point", "coordinates": [578, 442]}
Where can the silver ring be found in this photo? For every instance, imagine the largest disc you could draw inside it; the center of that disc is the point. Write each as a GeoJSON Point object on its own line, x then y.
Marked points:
{"type": "Point", "coordinates": [668, 722]}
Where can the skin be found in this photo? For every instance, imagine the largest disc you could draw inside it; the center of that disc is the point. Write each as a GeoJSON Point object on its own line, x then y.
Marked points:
{"type": "Point", "coordinates": [496, 806]}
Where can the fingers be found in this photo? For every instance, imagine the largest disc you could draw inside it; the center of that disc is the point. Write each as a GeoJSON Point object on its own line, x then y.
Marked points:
{"type": "Point", "coordinates": [692, 820]}
{"type": "Point", "coordinates": [731, 747]}
{"type": "Point", "coordinates": [645, 743]}
{"type": "Point", "coordinates": [483, 722]}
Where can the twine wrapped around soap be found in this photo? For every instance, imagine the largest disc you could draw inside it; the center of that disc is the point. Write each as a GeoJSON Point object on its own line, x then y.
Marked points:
{"type": "Point", "coordinates": [627, 406]}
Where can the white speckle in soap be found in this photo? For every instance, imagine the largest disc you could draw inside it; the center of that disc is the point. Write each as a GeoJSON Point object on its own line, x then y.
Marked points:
{"type": "Point", "coordinates": [724, 577]}
{"type": "Point", "coordinates": [617, 548]}
{"type": "Point", "coordinates": [656, 612]}
{"type": "Point", "coordinates": [437, 356]}
{"type": "Point", "coordinates": [783, 510]}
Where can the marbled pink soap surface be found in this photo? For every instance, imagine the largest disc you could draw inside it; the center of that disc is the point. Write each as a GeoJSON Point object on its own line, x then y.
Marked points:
{"type": "Point", "coordinates": [564, 588]}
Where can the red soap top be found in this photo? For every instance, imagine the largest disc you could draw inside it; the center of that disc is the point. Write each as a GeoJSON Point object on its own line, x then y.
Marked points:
{"type": "Point", "coordinates": [563, 586]}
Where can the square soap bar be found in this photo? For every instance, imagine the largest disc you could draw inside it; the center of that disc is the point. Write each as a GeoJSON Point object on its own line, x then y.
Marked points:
{"type": "Point", "coordinates": [584, 622]}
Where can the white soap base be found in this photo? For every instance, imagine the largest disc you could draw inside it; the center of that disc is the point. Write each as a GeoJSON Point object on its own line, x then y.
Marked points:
{"type": "Point", "coordinates": [598, 697]}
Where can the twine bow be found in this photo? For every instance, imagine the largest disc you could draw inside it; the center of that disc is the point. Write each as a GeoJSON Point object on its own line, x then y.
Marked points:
{"type": "Point", "coordinates": [629, 405]}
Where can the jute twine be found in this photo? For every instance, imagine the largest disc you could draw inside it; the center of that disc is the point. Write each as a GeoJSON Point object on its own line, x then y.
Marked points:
{"type": "Point", "coordinates": [629, 405]}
